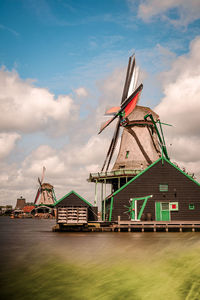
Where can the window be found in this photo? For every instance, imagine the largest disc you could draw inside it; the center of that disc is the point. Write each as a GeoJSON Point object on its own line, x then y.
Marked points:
{"type": "Point", "coordinates": [173, 206]}
{"type": "Point", "coordinates": [163, 187]}
{"type": "Point", "coordinates": [127, 153]}
{"type": "Point", "coordinates": [165, 205]}
{"type": "Point", "coordinates": [191, 206]}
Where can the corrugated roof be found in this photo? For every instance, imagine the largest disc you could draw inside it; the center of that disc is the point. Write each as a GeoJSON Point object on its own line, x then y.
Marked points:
{"type": "Point", "coordinates": [28, 208]}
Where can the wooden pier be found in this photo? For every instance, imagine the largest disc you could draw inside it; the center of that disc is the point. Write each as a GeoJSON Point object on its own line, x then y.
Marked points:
{"type": "Point", "coordinates": [132, 226]}
{"type": "Point", "coordinates": [157, 226]}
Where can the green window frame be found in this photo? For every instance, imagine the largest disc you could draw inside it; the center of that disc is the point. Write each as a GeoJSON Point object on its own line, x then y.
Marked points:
{"type": "Point", "coordinates": [171, 206]}
{"type": "Point", "coordinates": [127, 154]}
{"type": "Point", "coordinates": [163, 187]}
{"type": "Point", "coordinates": [191, 206]}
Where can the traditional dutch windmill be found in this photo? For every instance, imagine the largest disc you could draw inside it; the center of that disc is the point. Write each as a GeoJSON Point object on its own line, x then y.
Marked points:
{"type": "Point", "coordinates": [45, 194]}
{"type": "Point", "coordinates": [142, 142]}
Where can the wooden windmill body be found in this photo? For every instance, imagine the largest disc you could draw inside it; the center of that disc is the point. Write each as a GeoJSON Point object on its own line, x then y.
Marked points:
{"type": "Point", "coordinates": [139, 142]}
{"type": "Point", "coordinates": [47, 196]}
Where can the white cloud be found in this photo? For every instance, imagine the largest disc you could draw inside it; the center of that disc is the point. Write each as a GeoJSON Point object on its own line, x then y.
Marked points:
{"type": "Point", "coordinates": [66, 169]}
{"type": "Point", "coordinates": [187, 11]}
{"type": "Point", "coordinates": [44, 155]}
{"type": "Point", "coordinates": [27, 108]}
{"type": "Point", "coordinates": [181, 106]}
{"type": "Point", "coordinates": [81, 92]}
{"type": "Point", "coordinates": [7, 143]}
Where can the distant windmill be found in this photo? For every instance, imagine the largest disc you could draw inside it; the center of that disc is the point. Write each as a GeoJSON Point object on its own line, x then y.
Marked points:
{"type": "Point", "coordinates": [139, 145]}
{"type": "Point", "coordinates": [45, 193]}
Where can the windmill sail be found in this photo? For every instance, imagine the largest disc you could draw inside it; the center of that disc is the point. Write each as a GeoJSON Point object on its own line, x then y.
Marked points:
{"type": "Point", "coordinates": [112, 110]}
{"type": "Point", "coordinates": [37, 195]}
{"type": "Point", "coordinates": [134, 99]}
{"type": "Point", "coordinates": [124, 103]}
{"type": "Point", "coordinates": [139, 145]}
{"type": "Point", "coordinates": [134, 80]}
{"type": "Point", "coordinates": [139, 142]}
{"type": "Point", "coordinates": [45, 193]}
{"type": "Point", "coordinates": [127, 106]}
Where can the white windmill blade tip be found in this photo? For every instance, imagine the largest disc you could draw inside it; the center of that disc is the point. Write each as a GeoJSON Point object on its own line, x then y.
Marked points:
{"type": "Point", "coordinates": [43, 173]}
{"type": "Point", "coordinates": [137, 73]}
{"type": "Point", "coordinates": [132, 55]}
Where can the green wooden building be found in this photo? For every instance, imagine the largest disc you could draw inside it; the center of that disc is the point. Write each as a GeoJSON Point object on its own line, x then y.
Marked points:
{"type": "Point", "coordinates": [162, 192]}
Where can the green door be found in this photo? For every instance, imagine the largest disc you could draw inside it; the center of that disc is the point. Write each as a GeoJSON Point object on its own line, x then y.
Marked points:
{"type": "Point", "coordinates": [162, 211]}
{"type": "Point", "coordinates": [158, 211]}
{"type": "Point", "coordinates": [165, 214]}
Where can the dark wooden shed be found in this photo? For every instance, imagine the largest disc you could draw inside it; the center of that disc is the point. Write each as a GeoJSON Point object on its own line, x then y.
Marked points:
{"type": "Point", "coordinates": [74, 209]}
{"type": "Point", "coordinates": [175, 195]}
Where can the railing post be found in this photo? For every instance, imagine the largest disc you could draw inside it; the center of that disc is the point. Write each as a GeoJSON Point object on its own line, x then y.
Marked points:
{"type": "Point", "coordinates": [119, 224]}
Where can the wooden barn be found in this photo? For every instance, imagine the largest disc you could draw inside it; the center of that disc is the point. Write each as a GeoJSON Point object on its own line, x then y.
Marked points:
{"type": "Point", "coordinates": [162, 192]}
{"type": "Point", "coordinates": [72, 209]}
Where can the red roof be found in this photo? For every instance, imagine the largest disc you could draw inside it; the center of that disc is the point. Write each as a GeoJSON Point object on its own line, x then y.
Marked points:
{"type": "Point", "coordinates": [28, 208]}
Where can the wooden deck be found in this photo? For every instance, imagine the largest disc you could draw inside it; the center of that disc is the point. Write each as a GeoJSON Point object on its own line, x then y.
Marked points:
{"type": "Point", "coordinates": [158, 226]}
{"type": "Point", "coordinates": [132, 226]}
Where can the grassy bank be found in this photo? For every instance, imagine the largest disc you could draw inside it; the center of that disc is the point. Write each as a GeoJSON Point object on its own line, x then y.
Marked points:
{"type": "Point", "coordinates": [171, 276]}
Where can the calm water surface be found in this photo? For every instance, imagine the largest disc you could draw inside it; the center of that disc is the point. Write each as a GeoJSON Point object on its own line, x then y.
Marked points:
{"type": "Point", "coordinates": [22, 236]}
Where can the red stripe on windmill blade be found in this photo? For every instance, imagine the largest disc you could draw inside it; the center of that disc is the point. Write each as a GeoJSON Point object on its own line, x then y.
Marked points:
{"type": "Point", "coordinates": [104, 125]}
{"type": "Point", "coordinates": [129, 99]}
{"type": "Point", "coordinates": [113, 110]}
{"type": "Point", "coordinates": [123, 106]}
{"type": "Point", "coordinates": [132, 104]}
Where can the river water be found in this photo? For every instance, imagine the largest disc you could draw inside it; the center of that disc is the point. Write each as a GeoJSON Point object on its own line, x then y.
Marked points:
{"type": "Point", "coordinates": [30, 243]}
{"type": "Point", "coordinates": [20, 236]}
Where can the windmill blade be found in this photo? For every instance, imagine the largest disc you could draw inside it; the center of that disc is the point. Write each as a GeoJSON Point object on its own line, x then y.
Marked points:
{"type": "Point", "coordinates": [132, 104]}
{"type": "Point", "coordinates": [131, 98]}
{"type": "Point", "coordinates": [133, 82]}
{"type": "Point", "coordinates": [127, 100]}
{"type": "Point", "coordinates": [104, 125]}
{"type": "Point", "coordinates": [43, 173]}
{"type": "Point", "coordinates": [126, 80]}
{"type": "Point", "coordinates": [112, 110]}
{"type": "Point", "coordinates": [137, 72]}
{"type": "Point", "coordinates": [107, 123]}
{"type": "Point", "coordinates": [124, 105]}
{"type": "Point", "coordinates": [128, 103]}
{"type": "Point", "coordinates": [107, 155]}
{"type": "Point", "coordinates": [111, 149]}
{"type": "Point", "coordinates": [37, 195]}
{"type": "Point", "coordinates": [116, 135]}
{"type": "Point", "coordinates": [40, 183]}
{"type": "Point", "coordinates": [130, 77]}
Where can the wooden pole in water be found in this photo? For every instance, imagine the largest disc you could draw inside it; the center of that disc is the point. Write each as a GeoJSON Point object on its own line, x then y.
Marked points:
{"type": "Point", "coordinates": [102, 201]}
{"type": "Point", "coordinates": [95, 199]}
{"type": "Point", "coordinates": [104, 210]}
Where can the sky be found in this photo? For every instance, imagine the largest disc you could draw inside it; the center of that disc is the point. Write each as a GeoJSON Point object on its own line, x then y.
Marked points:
{"type": "Point", "coordinates": [63, 62]}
